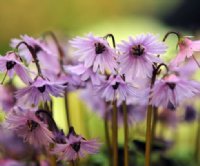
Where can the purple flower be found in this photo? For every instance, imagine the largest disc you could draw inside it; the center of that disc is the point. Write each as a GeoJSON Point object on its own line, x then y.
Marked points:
{"type": "Point", "coordinates": [39, 90]}
{"type": "Point", "coordinates": [116, 88]}
{"type": "Point", "coordinates": [172, 90]}
{"type": "Point", "coordinates": [76, 147]}
{"type": "Point", "coordinates": [138, 55]}
{"type": "Point", "coordinates": [28, 126]}
{"type": "Point", "coordinates": [11, 64]}
{"type": "Point", "coordinates": [95, 52]}
{"type": "Point", "coordinates": [85, 73]}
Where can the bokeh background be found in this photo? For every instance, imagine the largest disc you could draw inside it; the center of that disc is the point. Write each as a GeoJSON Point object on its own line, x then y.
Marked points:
{"type": "Point", "coordinates": [122, 18]}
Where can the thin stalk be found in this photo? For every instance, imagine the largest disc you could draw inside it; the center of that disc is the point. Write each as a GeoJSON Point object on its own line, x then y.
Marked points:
{"type": "Point", "coordinates": [126, 135]}
{"type": "Point", "coordinates": [154, 123]}
{"type": "Point", "coordinates": [67, 109]}
{"type": "Point", "coordinates": [107, 137]}
{"type": "Point", "coordinates": [115, 134]}
{"type": "Point", "coordinates": [112, 37]}
{"type": "Point", "coordinates": [197, 144]}
{"type": "Point", "coordinates": [4, 77]}
{"type": "Point", "coordinates": [172, 32]}
{"type": "Point", "coordinates": [196, 61]}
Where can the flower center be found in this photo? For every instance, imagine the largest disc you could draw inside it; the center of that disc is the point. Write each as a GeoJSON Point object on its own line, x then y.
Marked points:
{"type": "Point", "coordinates": [37, 48]}
{"type": "Point", "coordinates": [42, 88]}
{"type": "Point", "coordinates": [137, 50]}
{"type": "Point", "coordinates": [115, 86]}
{"type": "Point", "coordinates": [171, 85]}
{"type": "Point", "coordinates": [10, 65]}
{"type": "Point", "coordinates": [99, 48]}
{"type": "Point", "coordinates": [171, 106]}
{"type": "Point", "coordinates": [76, 146]}
{"type": "Point", "coordinates": [32, 125]}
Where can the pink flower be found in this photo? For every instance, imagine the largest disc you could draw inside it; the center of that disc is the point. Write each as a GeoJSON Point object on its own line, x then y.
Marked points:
{"type": "Point", "coordinates": [116, 88]}
{"type": "Point", "coordinates": [76, 147]}
{"type": "Point", "coordinates": [11, 64]}
{"type": "Point", "coordinates": [187, 48]}
{"type": "Point", "coordinates": [95, 52]}
{"type": "Point", "coordinates": [172, 90]}
{"type": "Point", "coordinates": [28, 126]}
{"type": "Point", "coordinates": [138, 55]}
{"type": "Point", "coordinates": [39, 90]}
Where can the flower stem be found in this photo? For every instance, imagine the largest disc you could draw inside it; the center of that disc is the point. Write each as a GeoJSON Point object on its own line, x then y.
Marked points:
{"type": "Point", "coordinates": [172, 32]}
{"type": "Point", "coordinates": [154, 123]}
{"type": "Point", "coordinates": [115, 134]}
{"type": "Point", "coordinates": [112, 37]}
{"type": "Point", "coordinates": [125, 133]}
{"type": "Point", "coordinates": [107, 137]}
{"type": "Point", "coordinates": [34, 56]}
{"type": "Point", "coordinates": [67, 109]}
{"type": "Point", "coordinates": [197, 145]}
{"type": "Point", "coordinates": [148, 136]}
{"type": "Point", "coordinates": [196, 61]}
{"type": "Point", "coordinates": [4, 77]}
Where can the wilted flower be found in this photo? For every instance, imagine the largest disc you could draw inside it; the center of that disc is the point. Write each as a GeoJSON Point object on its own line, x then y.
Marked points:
{"type": "Point", "coordinates": [116, 88]}
{"type": "Point", "coordinates": [187, 48]}
{"type": "Point", "coordinates": [10, 64]}
{"type": "Point", "coordinates": [28, 126]}
{"type": "Point", "coordinates": [138, 55]}
{"type": "Point", "coordinates": [172, 90]}
{"type": "Point", "coordinates": [95, 52]}
{"type": "Point", "coordinates": [39, 90]}
{"type": "Point", "coordinates": [76, 147]}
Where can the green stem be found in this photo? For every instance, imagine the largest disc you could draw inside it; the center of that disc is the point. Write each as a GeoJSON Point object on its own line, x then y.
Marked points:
{"type": "Point", "coordinates": [67, 109]}
{"type": "Point", "coordinates": [125, 134]}
{"type": "Point", "coordinates": [148, 136]}
{"type": "Point", "coordinates": [107, 137]}
{"type": "Point", "coordinates": [197, 144]}
{"type": "Point", "coordinates": [115, 134]}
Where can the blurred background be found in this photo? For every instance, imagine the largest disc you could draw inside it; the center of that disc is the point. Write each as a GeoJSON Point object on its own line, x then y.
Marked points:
{"type": "Point", "coordinates": [119, 17]}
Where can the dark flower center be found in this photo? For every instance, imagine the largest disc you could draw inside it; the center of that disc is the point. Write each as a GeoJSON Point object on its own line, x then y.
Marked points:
{"type": "Point", "coordinates": [170, 106]}
{"type": "Point", "coordinates": [32, 125]}
{"type": "Point", "coordinates": [42, 88]}
{"type": "Point", "coordinates": [115, 86]}
{"type": "Point", "coordinates": [76, 146]}
{"type": "Point", "coordinates": [37, 48]}
{"type": "Point", "coordinates": [171, 85]}
{"type": "Point", "coordinates": [137, 50]}
{"type": "Point", "coordinates": [99, 48]}
{"type": "Point", "coordinates": [10, 65]}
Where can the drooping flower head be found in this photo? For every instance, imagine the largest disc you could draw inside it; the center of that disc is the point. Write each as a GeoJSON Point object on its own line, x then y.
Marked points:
{"type": "Point", "coordinates": [170, 91]}
{"type": "Point", "coordinates": [76, 147]}
{"type": "Point", "coordinates": [117, 88]}
{"type": "Point", "coordinates": [95, 52]}
{"type": "Point", "coordinates": [187, 48]}
{"type": "Point", "coordinates": [11, 64]}
{"type": "Point", "coordinates": [28, 126]}
{"type": "Point", "coordinates": [139, 54]}
{"type": "Point", "coordinates": [39, 90]}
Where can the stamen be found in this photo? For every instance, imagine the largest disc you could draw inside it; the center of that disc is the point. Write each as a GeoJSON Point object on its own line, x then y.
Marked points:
{"type": "Point", "coordinates": [99, 48]}
{"type": "Point", "coordinates": [42, 88]}
{"type": "Point", "coordinates": [76, 146]}
{"type": "Point", "coordinates": [32, 125]}
{"type": "Point", "coordinates": [115, 86]}
{"type": "Point", "coordinates": [137, 50]}
{"type": "Point", "coordinates": [10, 64]}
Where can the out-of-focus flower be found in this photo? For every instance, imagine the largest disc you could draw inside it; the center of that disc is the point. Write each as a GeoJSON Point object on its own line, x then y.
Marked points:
{"type": "Point", "coordinates": [46, 57]}
{"type": "Point", "coordinates": [7, 99]}
{"type": "Point", "coordinates": [85, 73]}
{"type": "Point", "coordinates": [138, 55]}
{"type": "Point", "coordinates": [39, 90]}
{"type": "Point", "coordinates": [116, 88]}
{"type": "Point", "coordinates": [28, 126]}
{"type": "Point", "coordinates": [10, 162]}
{"type": "Point", "coordinates": [190, 114]}
{"type": "Point", "coordinates": [172, 90]}
{"type": "Point", "coordinates": [95, 52]}
{"type": "Point", "coordinates": [10, 63]}
{"type": "Point", "coordinates": [76, 147]}
{"type": "Point", "coordinates": [187, 48]}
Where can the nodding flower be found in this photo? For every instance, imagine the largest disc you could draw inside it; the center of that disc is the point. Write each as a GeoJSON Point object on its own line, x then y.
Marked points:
{"type": "Point", "coordinates": [170, 91]}
{"type": "Point", "coordinates": [27, 125]}
{"type": "Point", "coordinates": [139, 54]}
{"type": "Point", "coordinates": [95, 52]}
{"type": "Point", "coordinates": [75, 147]}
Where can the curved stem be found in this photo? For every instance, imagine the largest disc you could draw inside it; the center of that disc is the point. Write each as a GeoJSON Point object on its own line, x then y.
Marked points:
{"type": "Point", "coordinates": [125, 118]}
{"type": "Point", "coordinates": [112, 37]}
{"type": "Point", "coordinates": [172, 32]}
{"type": "Point", "coordinates": [34, 56]}
{"type": "Point", "coordinates": [115, 134]}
